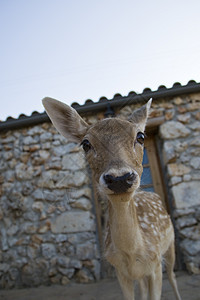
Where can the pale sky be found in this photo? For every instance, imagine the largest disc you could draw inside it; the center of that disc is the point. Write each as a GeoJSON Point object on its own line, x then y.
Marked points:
{"type": "Point", "coordinates": [74, 50]}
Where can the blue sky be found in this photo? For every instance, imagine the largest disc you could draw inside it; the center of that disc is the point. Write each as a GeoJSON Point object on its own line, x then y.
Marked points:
{"type": "Point", "coordinates": [84, 49]}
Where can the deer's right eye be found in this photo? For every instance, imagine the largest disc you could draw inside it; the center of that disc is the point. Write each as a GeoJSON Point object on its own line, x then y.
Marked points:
{"type": "Point", "coordinates": [140, 138]}
{"type": "Point", "coordinates": [86, 145]}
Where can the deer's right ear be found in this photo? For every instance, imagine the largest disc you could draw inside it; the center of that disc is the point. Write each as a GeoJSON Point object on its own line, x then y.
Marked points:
{"type": "Point", "coordinates": [66, 119]}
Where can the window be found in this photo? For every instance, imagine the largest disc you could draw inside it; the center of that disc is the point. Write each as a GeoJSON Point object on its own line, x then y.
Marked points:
{"type": "Point", "coordinates": [151, 179]}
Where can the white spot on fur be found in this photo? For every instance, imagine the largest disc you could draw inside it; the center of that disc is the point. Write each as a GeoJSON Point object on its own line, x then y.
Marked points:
{"type": "Point", "coordinates": [146, 219]}
{"type": "Point", "coordinates": [144, 225]}
{"type": "Point", "coordinates": [163, 216]}
{"type": "Point", "coordinates": [154, 232]}
{"type": "Point", "coordinates": [151, 248]}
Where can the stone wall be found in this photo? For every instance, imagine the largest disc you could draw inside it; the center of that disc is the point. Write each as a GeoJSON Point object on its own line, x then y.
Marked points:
{"type": "Point", "coordinates": [48, 231]}
{"type": "Point", "coordinates": [47, 219]}
{"type": "Point", "coordinates": [181, 153]}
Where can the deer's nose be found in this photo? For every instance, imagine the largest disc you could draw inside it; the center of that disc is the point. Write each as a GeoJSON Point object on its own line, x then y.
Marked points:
{"type": "Point", "coordinates": [119, 184]}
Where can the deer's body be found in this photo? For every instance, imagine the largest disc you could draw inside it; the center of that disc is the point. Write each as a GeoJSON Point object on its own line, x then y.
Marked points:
{"type": "Point", "coordinates": [141, 238]}
{"type": "Point", "coordinates": [137, 248]}
{"type": "Point", "coordinates": [139, 230]}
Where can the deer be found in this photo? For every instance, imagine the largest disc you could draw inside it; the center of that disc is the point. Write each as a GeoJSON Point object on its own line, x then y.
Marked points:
{"type": "Point", "coordinates": [139, 231]}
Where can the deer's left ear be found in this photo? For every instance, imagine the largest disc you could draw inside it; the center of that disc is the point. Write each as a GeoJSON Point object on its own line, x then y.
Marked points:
{"type": "Point", "coordinates": [66, 120]}
{"type": "Point", "coordinates": [140, 116]}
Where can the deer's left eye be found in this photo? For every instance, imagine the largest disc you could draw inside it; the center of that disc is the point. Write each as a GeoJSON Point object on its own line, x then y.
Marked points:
{"type": "Point", "coordinates": [86, 145]}
{"type": "Point", "coordinates": [140, 138]}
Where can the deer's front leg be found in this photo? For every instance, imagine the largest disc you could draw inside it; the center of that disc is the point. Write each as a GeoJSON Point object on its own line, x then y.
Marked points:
{"type": "Point", "coordinates": [143, 284]}
{"type": "Point", "coordinates": [126, 286]}
{"type": "Point", "coordinates": [155, 283]}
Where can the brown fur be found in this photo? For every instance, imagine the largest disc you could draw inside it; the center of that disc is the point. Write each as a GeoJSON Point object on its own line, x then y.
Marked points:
{"type": "Point", "coordinates": [139, 230]}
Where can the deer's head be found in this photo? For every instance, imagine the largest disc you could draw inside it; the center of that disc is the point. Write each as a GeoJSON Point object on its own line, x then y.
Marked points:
{"type": "Point", "coordinates": [113, 147]}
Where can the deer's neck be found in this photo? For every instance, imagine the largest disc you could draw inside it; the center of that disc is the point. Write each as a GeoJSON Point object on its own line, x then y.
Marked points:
{"type": "Point", "coordinates": [125, 232]}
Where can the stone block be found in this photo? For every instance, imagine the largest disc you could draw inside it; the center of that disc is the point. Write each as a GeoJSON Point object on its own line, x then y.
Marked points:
{"type": "Point", "coordinates": [56, 279]}
{"type": "Point", "coordinates": [13, 230]}
{"type": "Point", "coordinates": [192, 268]}
{"type": "Point", "coordinates": [190, 247]}
{"type": "Point", "coordinates": [38, 194]}
{"type": "Point", "coordinates": [77, 193]}
{"type": "Point", "coordinates": [175, 180]}
{"type": "Point", "coordinates": [185, 118]}
{"type": "Point", "coordinates": [173, 130]}
{"type": "Point", "coordinates": [35, 273]}
{"type": "Point", "coordinates": [36, 130]}
{"type": "Point", "coordinates": [29, 140]}
{"type": "Point", "coordinates": [24, 172]}
{"type": "Point", "coordinates": [68, 179]}
{"type": "Point", "coordinates": [195, 151]}
{"type": "Point", "coordinates": [186, 221]}
{"type": "Point", "coordinates": [169, 154]}
{"type": "Point", "coordinates": [38, 206]}
{"type": "Point", "coordinates": [185, 158]}
{"type": "Point", "coordinates": [193, 106]}
{"type": "Point", "coordinates": [63, 261]}
{"type": "Point", "coordinates": [178, 100]}
{"type": "Point", "coordinates": [74, 161]}
{"type": "Point", "coordinates": [197, 213]}
{"type": "Point", "coordinates": [56, 164]}
{"type": "Point", "coordinates": [96, 268]}
{"type": "Point", "coordinates": [28, 228]}
{"type": "Point", "coordinates": [83, 203]}
{"type": "Point", "coordinates": [4, 267]}
{"type": "Point", "coordinates": [7, 155]}
{"type": "Point", "coordinates": [73, 222]}
{"type": "Point", "coordinates": [192, 233]}
{"type": "Point", "coordinates": [169, 114]}
{"type": "Point", "coordinates": [157, 112]}
{"type": "Point", "coordinates": [65, 280]}
{"type": "Point", "coordinates": [60, 238]}
{"type": "Point", "coordinates": [67, 272]}
{"type": "Point", "coordinates": [75, 263]}
{"type": "Point", "coordinates": [27, 188]}
{"type": "Point", "coordinates": [186, 194]}
{"type": "Point", "coordinates": [46, 180]}
{"type": "Point", "coordinates": [197, 115]}
{"type": "Point", "coordinates": [187, 177]}
{"type": "Point", "coordinates": [62, 149]}
{"type": "Point", "coordinates": [3, 239]}
{"type": "Point", "coordinates": [85, 251]}
{"type": "Point", "coordinates": [45, 137]}
{"type": "Point", "coordinates": [24, 157]}
{"type": "Point", "coordinates": [8, 139]}
{"type": "Point", "coordinates": [48, 250]}
{"type": "Point", "coordinates": [195, 163]}
{"type": "Point", "coordinates": [195, 126]}
{"type": "Point", "coordinates": [31, 148]}
{"type": "Point", "coordinates": [84, 276]}
{"type": "Point", "coordinates": [195, 142]}
{"type": "Point", "coordinates": [43, 228]}
{"type": "Point", "coordinates": [33, 251]}
{"type": "Point", "coordinates": [175, 169]}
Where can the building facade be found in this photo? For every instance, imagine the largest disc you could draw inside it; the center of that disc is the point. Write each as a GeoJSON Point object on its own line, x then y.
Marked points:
{"type": "Point", "coordinates": [51, 219]}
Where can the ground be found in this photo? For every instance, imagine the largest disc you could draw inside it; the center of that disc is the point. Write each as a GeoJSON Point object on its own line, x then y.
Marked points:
{"type": "Point", "coordinates": [107, 289]}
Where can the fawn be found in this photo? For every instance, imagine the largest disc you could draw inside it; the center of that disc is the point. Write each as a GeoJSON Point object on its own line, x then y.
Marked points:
{"type": "Point", "coordinates": [139, 230]}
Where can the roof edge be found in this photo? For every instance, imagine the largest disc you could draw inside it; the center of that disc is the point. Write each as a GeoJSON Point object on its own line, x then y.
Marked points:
{"type": "Point", "coordinates": [102, 104]}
